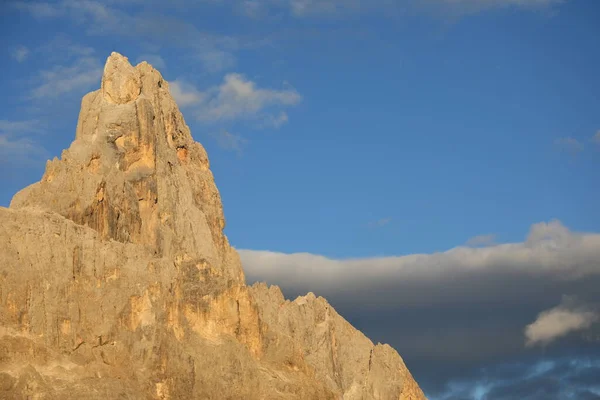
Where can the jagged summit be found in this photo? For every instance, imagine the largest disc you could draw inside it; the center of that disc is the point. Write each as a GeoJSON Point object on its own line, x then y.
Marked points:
{"type": "Point", "coordinates": [117, 281]}
{"type": "Point", "coordinates": [121, 83]}
{"type": "Point", "coordinates": [134, 173]}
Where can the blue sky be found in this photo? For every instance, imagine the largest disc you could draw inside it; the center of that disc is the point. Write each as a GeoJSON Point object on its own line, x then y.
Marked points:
{"type": "Point", "coordinates": [357, 131]}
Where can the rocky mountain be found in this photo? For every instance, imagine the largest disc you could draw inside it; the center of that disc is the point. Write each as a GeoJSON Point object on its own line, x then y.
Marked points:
{"type": "Point", "coordinates": [117, 282]}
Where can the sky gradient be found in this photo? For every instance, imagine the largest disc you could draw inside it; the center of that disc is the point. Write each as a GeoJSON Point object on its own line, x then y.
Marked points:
{"type": "Point", "coordinates": [427, 166]}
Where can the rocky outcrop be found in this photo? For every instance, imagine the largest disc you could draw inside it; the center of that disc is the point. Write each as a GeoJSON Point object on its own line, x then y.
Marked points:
{"type": "Point", "coordinates": [116, 280]}
{"type": "Point", "coordinates": [342, 357]}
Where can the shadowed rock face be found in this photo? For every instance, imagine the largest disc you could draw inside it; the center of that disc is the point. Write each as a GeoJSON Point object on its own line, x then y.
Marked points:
{"type": "Point", "coordinates": [116, 280]}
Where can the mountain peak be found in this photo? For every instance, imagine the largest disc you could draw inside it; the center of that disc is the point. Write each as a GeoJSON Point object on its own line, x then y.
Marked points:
{"type": "Point", "coordinates": [121, 82]}
{"type": "Point", "coordinates": [115, 267]}
{"type": "Point", "coordinates": [135, 174]}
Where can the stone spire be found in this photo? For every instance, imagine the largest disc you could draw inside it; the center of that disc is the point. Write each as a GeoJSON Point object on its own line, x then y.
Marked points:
{"type": "Point", "coordinates": [117, 281]}
{"type": "Point", "coordinates": [135, 174]}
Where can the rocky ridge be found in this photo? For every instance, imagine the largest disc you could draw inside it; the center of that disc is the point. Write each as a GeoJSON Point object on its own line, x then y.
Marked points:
{"type": "Point", "coordinates": [116, 280]}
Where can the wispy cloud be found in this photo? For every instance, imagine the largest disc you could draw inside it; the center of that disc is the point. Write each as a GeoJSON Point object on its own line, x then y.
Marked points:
{"type": "Point", "coordinates": [109, 19]}
{"type": "Point", "coordinates": [321, 8]}
{"type": "Point", "coordinates": [274, 121]}
{"type": "Point", "coordinates": [17, 143]}
{"type": "Point", "coordinates": [20, 54]}
{"type": "Point", "coordinates": [58, 80]}
{"type": "Point", "coordinates": [7, 126]}
{"type": "Point", "coordinates": [252, 8]}
{"type": "Point", "coordinates": [216, 60]}
{"type": "Point", "coordinates": [112, 16]}
{"type": "Point", "coordinates": [469, 7]}
{"type": "Point", "coordinates": [185, 94]}
{"type": "Point", "coordinates": [492, 3]}
{"type": "Point", "coordinates": [12, 147]}
{"type": "Point", "coordinates": [61, 47]}
{"type": "Point", "coordinates": [559, 321]}
{"type": "Point", "coordinates": [482, 240]}
{"type": "Point", "coordinates": [229, 141]}
{"type": "Point", "coordinates": [596, 137]}
{"type": "Point", "coordinates": [571, 377]}
{"type": "Point", "coordinates": [569, 144]}
{"type": "Point", "coordinates": [68, 68]}
{"type": "Point", "coordinates": [237, 98]}
{"type": "Point", "coordinates": [39, 9]}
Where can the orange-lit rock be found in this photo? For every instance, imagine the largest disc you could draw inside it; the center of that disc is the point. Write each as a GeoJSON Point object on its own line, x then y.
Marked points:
{"type": "Point", "coordinates": [117, 280]}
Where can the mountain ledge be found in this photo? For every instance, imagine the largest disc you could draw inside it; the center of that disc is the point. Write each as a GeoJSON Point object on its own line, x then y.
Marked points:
{"type": "Point", "coordinates": [117, 281]}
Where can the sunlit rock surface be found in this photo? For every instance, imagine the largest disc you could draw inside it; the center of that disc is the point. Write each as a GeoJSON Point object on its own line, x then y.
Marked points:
{"type": "Point", "coordinates": [116, 280]}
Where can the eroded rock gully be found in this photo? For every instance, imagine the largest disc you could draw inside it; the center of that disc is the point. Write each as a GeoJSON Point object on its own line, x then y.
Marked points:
{"type": "Point", "coordinates": [116, 280]}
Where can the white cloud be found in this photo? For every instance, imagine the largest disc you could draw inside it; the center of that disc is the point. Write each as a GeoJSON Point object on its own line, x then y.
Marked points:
{"type": "Point", "coordinates": [184, 93]}
{"type": "Point", "coordinates": [20, 53]}
{"type": "Point", "coordinates": [550, 252]}
{"type": "Point", "coordinates": [238, 97]}
{"type": "Point", "coordinates": [235, 99]}
{"type": "Point", "coordinates": [559, 321]}
{"type": "Point", "coordinates": [84, 73]}
{"type": "Point", "coordinates": [153, 59]}
{"type": "Point", "coordinates": [68, 67]}
{"type": "Point", "coordinates": [481, 240]}
{"type": "Point", "coordinates": [596, 137]}
{"type": "Point", "coordinates": [551, 235]}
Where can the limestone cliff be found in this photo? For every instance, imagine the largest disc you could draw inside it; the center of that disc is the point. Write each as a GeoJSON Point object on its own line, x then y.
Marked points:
{"type": "Point", "coordinates": [116, 280]}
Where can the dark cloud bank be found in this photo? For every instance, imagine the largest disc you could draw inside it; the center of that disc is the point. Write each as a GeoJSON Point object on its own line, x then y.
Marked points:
{"type": "Point", "coordinates": [507, 321]}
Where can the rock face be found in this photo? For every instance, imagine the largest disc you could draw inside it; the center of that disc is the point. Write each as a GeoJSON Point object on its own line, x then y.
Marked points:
{"type": "Point", "coordinates": [116, 280]}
